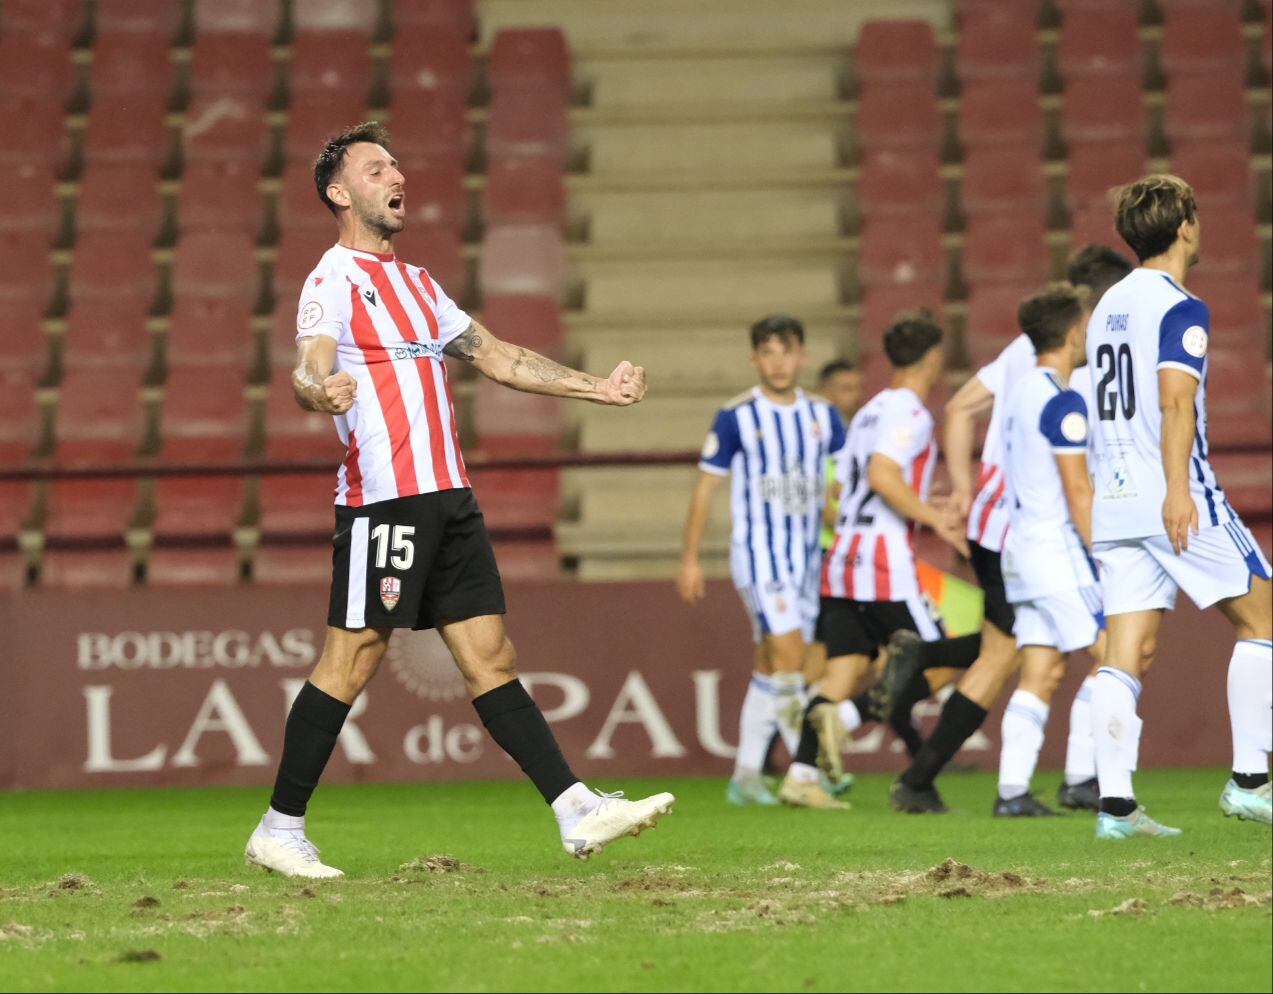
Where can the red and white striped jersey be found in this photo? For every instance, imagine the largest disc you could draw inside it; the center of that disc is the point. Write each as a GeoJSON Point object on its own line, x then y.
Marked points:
{"type": "Point", "coordinates": [872, 557]}
{"type": "Point", "coordinates": [988, 516]}
{"type": "Point", "coordinates": [391, 322]}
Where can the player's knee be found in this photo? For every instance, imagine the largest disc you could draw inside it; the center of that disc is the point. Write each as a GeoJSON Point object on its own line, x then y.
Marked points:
{"type": "Point", "coordinates": [499, 663]}
{"type": "Point", "coordinates": [1148, 646]}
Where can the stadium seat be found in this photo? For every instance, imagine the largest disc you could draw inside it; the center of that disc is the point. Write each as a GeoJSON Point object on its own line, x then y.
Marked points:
{"type": "Point", "coordinates": [307, 564]}
{"type": "Point", "coordinates": [138, 17]}
{"type": "Point", "coordinates": [76, 569]}
{"type": "Point", "coordinates": [35, 67]}
{"type": "Point", "coordinates": [524, 191]}
{"type": "Point", "coordinates": [530, 59]}
{"type": "Point", "coordinates": [1094, 222]}
{"type": "Point", "coordinates": [436, 250]}
{"type": "Point", "coordinates": [528, 124]}
{"type": "Point", "coordinates": [430, 127]}
{"type": "Point", "coordinates": [298, 507]}
{"type": "Point", "coordinates": [330, 64]}
{"type": "Point", "coordinates": [533, 321]}
{"type": "Point", "coordinates": [991, 114]}
{"type": "Point", "coordinates": [1100, 40]}
{"type": "Point", "coordinates": [37, 135]}
{"type": "Point", "coordinates": [97, 510]}
{"type": "Point", "coordinates": [323, 16]}
{"type": "Point", "coordinates": [1201, 37]}
{"type": "Point", "coordinates": [898, 181]}
{"type": "Point", "coordinates": [900, 250]}
{"type": "Point", "coordinates": [130, 64]}
{"type": "Point", "coordinates": [1245, 478]}
{"type": "Point", "coordinates": [210, 330]}
{"type": "Point", "coordinates": [1002, 179]}
{"type": "Point", "coordinates": [1230, 241]}
{"type": "Point", "coordinates": [314, 116]}
{"type": "Point", "coordinates": [522, 259]}
{"type": "Point", "coordinates": [904, 114]}
{"type": "Point", "coordinates": [1096, 168]}
{"type": "Point", "coordinates": [299, 250]}
{"type": "Point", "coordinates": [1005, 247]}
{"type": "Point", "coordinates": [1103, 107]}
{"type": "Point", "coordinates": [896, 50]}
{"type": "Point", "coordinates": [204, 415]}
{"type": "Point", "coordinates": [221, 197]}
{"type": "Point", "coordinates": [291, 432]}
{"type": "Point", "coordinates": [436, 16]}
{"type": "Point", "coordinates": [110, 333]}
{"type": "Point", "coordinates": [196, 507]}
{"type": "Point", "coordinates": [30, 210]}
{"type": "Point", "coordinates": [992, 318]}
{"type": "Point", "coordinates": [1002, 48]}
{"type": "Point", "coordinates": [192, 566]}
{"type": "Point", "coordinates": [112, 265]}
{"type": "Point", "coordinates": [99, 415]}
{"type": "Point", "coordinates": [1233, 298]}
{"type": "Point", "coordinates": [215, 264]}
{"type": "Point", "coordinates": [881, 302]}
{"type": "Point", "coordinates": [435, 195]}
{"type": "Point", "coordinates": [18, 411]}
{"type": "Point", "coordinates": [37, 19]}
{"type": "Point", "coordinates": [25, 276]}
{"type": "Point", "coordinates": [1206, 107]}
{"type": "Point", "coordinates": [232, 67]}
{"type": "Point", "coordinates": [1219, 172]}
{"type": "Point", "coordinates": [225, 128]}
{"type": "Point", "coordinates": [235, 17]}
{"type": "Point", "coordinates": [1238, 400]}
{"type": "Point", "coordinates": [424, 63]}
{"type": "Point", "coordinates": [128, 129]}
{"type": "Point", "coordinates": [114, 197]}
{"type": "Point", "coordinates": [517, 501]}
{"type": "Point", "coordinates": [506, 418]}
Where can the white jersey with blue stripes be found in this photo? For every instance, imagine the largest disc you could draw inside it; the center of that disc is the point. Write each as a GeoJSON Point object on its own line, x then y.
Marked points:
{"type": "Point", "coordinates": [1144, 323]}
{"type": "Point", "coordinates": [1043, 554]}
{"type": "Point", "coordinates": [775, 455]}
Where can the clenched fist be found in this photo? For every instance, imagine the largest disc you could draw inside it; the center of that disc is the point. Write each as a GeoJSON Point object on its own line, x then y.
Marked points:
{"type": "Point", "coordinates": [626, 385]}
{"type": "Point", "coordinates": [339, 391]}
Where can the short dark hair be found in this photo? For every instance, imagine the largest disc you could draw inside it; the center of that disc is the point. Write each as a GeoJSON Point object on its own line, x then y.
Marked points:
{"type": "Point", "coordinates": [911, 336]}
{"type": "Point", "coordinates": [776, 326]}
{"type": "Point", "coordinates": [1097, 267]}
{"type": "Point", "coordinates": [332, 157]}
{"type": "Point", "coordinates": [836, 366]}
{"type": "Point", "coordinates": [1150, 211]}
{"type": "Point", "coordinates": [1046, 316]}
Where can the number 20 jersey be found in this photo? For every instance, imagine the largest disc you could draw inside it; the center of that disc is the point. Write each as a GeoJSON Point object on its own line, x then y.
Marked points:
{"type": "Point", "coordinates": [1144, 323]}
{"type": "Point", "coordinates": [872, 558]}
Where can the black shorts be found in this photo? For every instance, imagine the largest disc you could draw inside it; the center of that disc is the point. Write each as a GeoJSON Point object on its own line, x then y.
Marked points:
{"type": "Point", "coordinates": [985, 564]}
{"type": "Point", "coordinates": [413, 562]}
{"type": "Point", "coordinates": [862, 628]}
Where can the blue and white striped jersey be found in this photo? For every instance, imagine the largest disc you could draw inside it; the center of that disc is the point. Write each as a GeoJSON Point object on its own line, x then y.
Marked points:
{"type": "Point", "coordinates": [775, 455]}
{"type": "Point", "coordinates": [1144, 323]}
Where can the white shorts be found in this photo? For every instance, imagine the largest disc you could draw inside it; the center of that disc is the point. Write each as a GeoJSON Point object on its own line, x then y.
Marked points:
{"type": "Point", "coordinates": [1143, 574]}
{"type": "Point", "coordinates": [1066, 621]}
{"type": "Point", "coordinates": [778, 608]}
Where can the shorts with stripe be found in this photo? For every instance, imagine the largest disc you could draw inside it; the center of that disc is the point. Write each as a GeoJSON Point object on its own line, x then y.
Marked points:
{"type": "Point", "coordinates": [862, 628]}
{"type": "Point", "coordinates": [413, 562]}
{"type": "Point", "coordinates": [1144, 574]}
{"type": "Point", "coordinates": [1066, 621]}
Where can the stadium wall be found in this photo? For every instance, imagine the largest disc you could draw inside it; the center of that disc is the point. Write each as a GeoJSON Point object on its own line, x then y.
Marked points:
{"type": "Point", "coordinates": [182, 687]}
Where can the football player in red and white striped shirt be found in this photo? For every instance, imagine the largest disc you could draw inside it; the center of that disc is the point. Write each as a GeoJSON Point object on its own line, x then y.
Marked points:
{"type": "Point", "coordinates": [411, 548]}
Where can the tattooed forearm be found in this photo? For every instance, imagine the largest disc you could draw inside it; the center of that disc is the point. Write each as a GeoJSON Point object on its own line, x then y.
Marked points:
{"type": "Point", "coordinates": [466, 345]}
{"type": "Point", "coordinates": [544, 370]}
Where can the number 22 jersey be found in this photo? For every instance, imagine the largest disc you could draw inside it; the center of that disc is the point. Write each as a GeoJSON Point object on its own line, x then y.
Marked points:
{"type": "Point", "coordinates": [1144, 323]}
{"type": "Point", "coordinates": [872, 558]}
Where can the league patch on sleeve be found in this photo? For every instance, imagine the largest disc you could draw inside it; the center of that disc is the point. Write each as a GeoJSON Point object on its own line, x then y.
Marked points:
{"type": "Point", "coordinates": [309, 316]}
{"type": "Point", "coordinates": [1074, 427]}
{"type": "Point", "coordinates": [903, 436]}
{"type": "Point", "coordinates": [711, 445]}
{"type": "Point", "coordinates": [1194, 341]}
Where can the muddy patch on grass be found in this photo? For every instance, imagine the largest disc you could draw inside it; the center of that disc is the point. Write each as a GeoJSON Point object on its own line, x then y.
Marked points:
{"type": "Point", "coordinates": [422, 867]}
{"type": "Point", "coordinates": [71, 883]}
{"type": "Point", "coordinates": [949, 879]}
{"type": "Point", "coordinates": [138, 956]}
{"type": "Point", "coordinates": [1222, 899]}
{"type": "Point", "coordinates": [1133, 907]}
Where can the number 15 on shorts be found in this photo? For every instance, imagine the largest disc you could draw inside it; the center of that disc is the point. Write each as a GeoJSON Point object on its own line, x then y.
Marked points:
{"type": "Point", "coordinates": [394, 546]}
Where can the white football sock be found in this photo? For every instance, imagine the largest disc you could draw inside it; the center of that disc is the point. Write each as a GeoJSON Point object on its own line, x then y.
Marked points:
{"type": "Point", "coordinates": [1024, 720]}
{"type": "Point", "coordinates": [756, 725]}
{"type": "Point", "coordinates": [1080, 750]}
{"type": "Point", "coordinates": [789, 705]}
{"type": "Point", "coordinates": [803, 773]}
{"type": "Point", "coordinates": [1250, 700]}
{"type": "Point", "coordinates": [1116, 730]}
{"type": "Point", "coordinates": [572, 804]}
{"type": "Point", "coordinates": [850, 715]}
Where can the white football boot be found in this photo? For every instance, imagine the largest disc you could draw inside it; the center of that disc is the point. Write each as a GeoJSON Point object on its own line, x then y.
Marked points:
{"type": "Point", "coordinates": [612, 817]}
{"type": "Point", "coordinates": [287, 851]}
{"type": "Point", "coordinates": [1255, 804]}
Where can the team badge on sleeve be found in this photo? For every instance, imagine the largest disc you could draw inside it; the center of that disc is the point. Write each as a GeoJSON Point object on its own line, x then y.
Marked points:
{"type": "Point", "coordinates": [1074, 427]}
{"type": "Point", "coordinates": [711, 445]}
{"type": "Point", "coordinates": [390, 591]}
{"type": "Point", "coordinates": [1195, 341]}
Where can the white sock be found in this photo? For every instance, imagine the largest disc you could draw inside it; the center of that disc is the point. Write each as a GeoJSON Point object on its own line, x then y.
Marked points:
{"type": "Point", "coordinates": [850, 715]}
{"type": "Point", "coordinates": [572, 804]}
{"type": "Point", "coordinates": [803, 773]}
{"type": "Point", "coordinates": [277, 823]}
{"type": "Point", "coordinates": [1080, 750]}
{"type": "Point", "coordinates": [1115, 730]}
{"type": "Point", "coordinates": [1024, 720]}
{"type": "Point", "coordinates": [789, 707]}
{"type": "Point", "coordinates": [1250, 700]}
{"type": "Point", "coordinates": [756, 724]}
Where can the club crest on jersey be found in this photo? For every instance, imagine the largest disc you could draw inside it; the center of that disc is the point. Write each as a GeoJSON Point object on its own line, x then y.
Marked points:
{"type": "Point", "coordinates": [390, 592]}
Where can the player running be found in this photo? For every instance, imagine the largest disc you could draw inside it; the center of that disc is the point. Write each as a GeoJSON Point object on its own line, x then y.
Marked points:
{"type": "Point", "coordinates": [1160, 520]}
{"type": "Point", "coordinates": [411, 548]}
{"type": "Point", "coordinates": [773, 442]}
{"type": "Point", "coordinates": [869, 585]}
{"type": "Point", "coordinates": [1096, 267]}
{"type": "Point", "coordinates": [1048, 575]}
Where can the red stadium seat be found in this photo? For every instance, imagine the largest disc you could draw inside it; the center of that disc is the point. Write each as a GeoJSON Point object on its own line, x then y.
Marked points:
{"type": "Point", "coordinates": [530, 59]}
{"type": "Point", "coordinates": [221, 197]}
{"type": "Point", "coordinates": [1229, 241]}
{"type": "Point", "coordinates": [192, 566]}
{"type": "Point", "coordinates": [298, 202]}
{"type": "Point", "coordinates": [895, 50]}
{"type": "Point", "coordinates": [522, 259]}
{"type": "Point", "coordinates": [1199, 38]}
{"type": "Point", "coordinates": [898, 181]}
{"type": "Point", "coordinates": [293, 433]}
{"type": "Point", "coordinates": [209, 329]}
{"type": "Point", "coordinates": [528, 124]}
{"type": "Point", "coordinates": [1219, 172]}
{"type": "Point", "coordinates": [992, 318]}
{"type": "Point", "coordinates": [36, 136]}
{"type": "Point", "coordinates": [533, 321]}
{"type": "Point", "coordinates": [1005, 248]}
{"type": "Point", "coordinates": [204, 414]}
{"type": "Point", "coordinates": [112, 266]}
{"type": "Point", "coordinates": [323, 16]}
{"type": "Point", "coordinates": [224, 127]}
{"type": "Point", "coordinates": [37, 67]}
{"type": "Point", "coordinates": [30, 209]}
{"type": "Point", "coordinates": [294, 564]}
{"type": "Point", "coordinates": [99, 415]}
{"type": "Point", "coordinates": [518, 501]}
{"type": "Point", "coordinates": [37, 19]}
{"type": "Point", "coordinates": [435, 195]}
{"type": "Point", "coordinates": [435, 17]}
{"type": "Point", "coordinates": [430, 127]}
{"type": "Point", "coordinates": [429, 63]}
{"type": "Point", "coordinates": [133, 64]}
{"type": "Point", "coordinates": [86, 569]}
{"type": "Point", "coordinates": [90, 509]}
{"type": "Point", "coordinates": [298, 507]}
{"type": "Point", "coordinates": [15, 503]}
{"type": "Point", "coordinates": [1246, 479]}
{"type": "Point", "coordinates": [238, 17]}
{"type": "Point", "coordinates": [1100, 40]}
{"type": "Point", "coordinates": [438, 251]}
{"type": "Point", "coordinates": [1233, 298]}
{"type": "Point", "coordinates": [900, 250]}
{"type": "Point", "coordinates": [1000, 48]}
{"type": "Point", "coordinates": [332, 64]}
{"type": "Point", "coordinates": [1003, 179]}
{"type": "Point", "coordinates": [111, 333]}
{"type": "Point", "coordinates": [882, 302]}
{"type": "Point", "coordinates": [128, 132]}
{"type": "Point", "coordinates": [215, 264]}
{"type": "Point", "coordinates": [511, 417]}
{"type": "Point", "coordinates": [1097, 168]}
{"type": "Point", "coordinates": [1238, 398]}
{"type": "Point", "coordinates": [904, 114]}
{"type": "Point", "coordinates": [234, 65]}
{"type": "Point", "coordinates": [1103, 107]}
{"type": "Point", "coordinates": [299, 250]}
{"type": "Point", "coordinates": [992, 114]}
{"type": "Point", "coordinates": [140, 17]}
{"type": "Point", "coordinates": [524, 191]}
{"type": "Point", "coordinates": [26, 278]}
{"type": "Point", "coordinates": [1094, 222]}
{"type": "Point", "coordinates": [115, 197]}
{"type": "Point", "coordinates": [197, 507]}
{"type": "Point", "coordinates": [315, 116]}
{"type": "Point", "coordinates": [18, 410]}
{"type": "Point", "coordinates": [1206, 107]}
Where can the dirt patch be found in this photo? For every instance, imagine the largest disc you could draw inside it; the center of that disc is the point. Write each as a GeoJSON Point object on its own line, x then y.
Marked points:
{"type": "Point", "coordinates": [70, 883]}
{"type": "Point", "coordinates": [142, 903]}
{"type": "Point", "coordinates": [949, 879]}
{"type": "Point", "coordinates": [139, 956]}
{"type": "Point", "coordinates": [181, 885]}
{"type": "Point", "coordinates": [1133, 907]}
{"type": "Point", "coordinates": [15, 931]}
{"type": "Point", "coordinates": [1222, 899]}
{"type": "Point", "coordinates": [438, 863]}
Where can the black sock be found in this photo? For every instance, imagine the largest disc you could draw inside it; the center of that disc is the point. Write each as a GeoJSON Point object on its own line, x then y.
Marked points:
{"type": "Point", "coordinates": [957, 653]}
{"type": "Point", "coordinates": [518, 726]}
{"type": "Point", "coordinates": [313, 725]}
{"type": "Point", "coordinates": [959, 719]}
{"type": "Point", "coordinates": [807, 750]}
{"type": "Point", "coordinates": [866, 707]}
{"type": "Point", "coordinates": [900, 720]}
{"type": "Point", "coordinates": [1120, 806]}
{"type": "Point", "coordinates": [1250, 781]}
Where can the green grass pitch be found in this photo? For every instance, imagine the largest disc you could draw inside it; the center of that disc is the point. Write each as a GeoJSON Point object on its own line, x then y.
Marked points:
{"type": "Point", "coordinates": [146, 890]}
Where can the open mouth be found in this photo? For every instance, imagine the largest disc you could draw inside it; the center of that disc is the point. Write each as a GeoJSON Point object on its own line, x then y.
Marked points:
{"type": "Point", "coordinates": [396, 204]}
